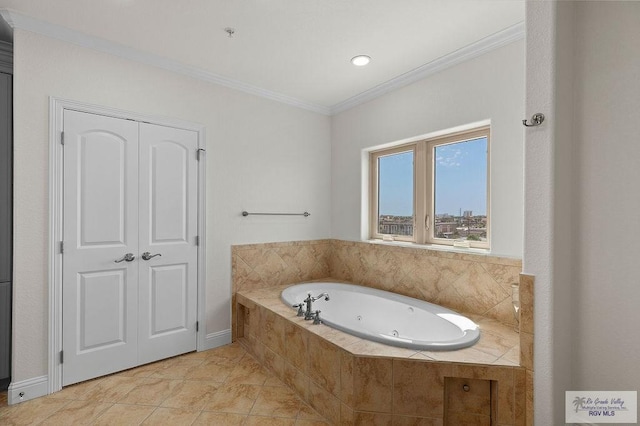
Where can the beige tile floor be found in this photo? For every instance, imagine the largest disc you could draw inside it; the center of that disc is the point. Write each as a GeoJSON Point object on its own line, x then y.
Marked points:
{"type": "Point", "coordinates": [222, 386]}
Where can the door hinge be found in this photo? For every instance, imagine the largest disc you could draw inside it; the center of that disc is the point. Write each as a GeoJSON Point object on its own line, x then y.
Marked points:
{"type": "Point", "coordinates": [197, 240]}
{"type": "Point", "coordinates": [62, 138]}
{"type": "Point", "coordinates": [197, 326]}
{"type": "Point", "coordinates": [199, 152]}
{"type": "Point", "coordinates": [61, 357]}
{"type": "Point", "coordinates": [61, 247]}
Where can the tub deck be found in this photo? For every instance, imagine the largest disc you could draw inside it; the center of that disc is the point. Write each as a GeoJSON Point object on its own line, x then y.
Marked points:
{"type": "Point", "coordinates": [498, 345]}
{"type": "Point", "coordinates": [354, 381]}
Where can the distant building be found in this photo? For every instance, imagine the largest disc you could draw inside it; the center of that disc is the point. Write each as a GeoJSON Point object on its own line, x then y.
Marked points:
{"type": "Point", "coordinates": [467, 213]}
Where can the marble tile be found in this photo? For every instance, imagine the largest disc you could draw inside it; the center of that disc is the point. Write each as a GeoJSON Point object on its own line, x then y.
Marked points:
{"type": "Point", "coordinates": [210, 370]}
{"type": "Point", "coordinates": [296, 380]}
{"type": "Point", "coordinates": [142, 371]}
{"type": "Point", "coordinates": [529, 396]}
{"type": "Point", "coordinates": [296, 342]}
{"type": "Point", "coordinates": [520, 398]}
{"type": "Point", "coordinates": [176, 368]}
{"type": "Point", "coordinates": [526, 303]}
{"type": "Point", "coordinates": [232, 352]}
{"type": "Point", "coordinates": [274, 363]}
{"type": "Point", "coordinates": [347, 415]}
{"type": "Point", "coordinates": [237, 398]}
{"type": "Point", "coordinates": [467, 355]}
{"type": "Point", "coordinates": [277, 402]}
{"type": "Point", "coordinates": [372, 419]}
{"type": "Point", "coordinates": [324, 364]}
{"type": "Point", "coordinates": [366, 347]}
{"type": "Point", "coordinates": [495, 344]}
{"type": "Point", "coordinates": [346, 378]}
{"type": "Point", "coordinates": [323, 402]}
{"type": "Point", "coordinates": [418, 387]}
{"type": "Point", "coordinates": [372, 384]}
{"type": "Point", "coordinates": [304, 422]}
{"type": "Point", "coordinates": [467, 282]}
{"type": "Point", "coordinates": [191, 395]}
{"type": "Point", "coordinates": [416, 421]}
{"type": "Point", "coordinates": [468, 395]}
{"type": "Point", "coordinates": [272, 332]}
{"type": "Point", "coordinates": [124, 415]}
{"type": "Point", "coordinates": [150, 391]}
{"type": "Point", "coordinates": [468, 419]}
{"type": "Point", "coordinates": [77, 412]}
{"type": "Point", "coordinates": [111, 388]}
{"type": "Point", "coordinates": [171, 417]}
{"type": "Point", "coordinates": [207, 418]}
{"type": "Point", "coordinates": [247, 371]}
{"type": "Point", "coordinates": [512, 357]}
{"type": "Point", "coordinates": [526, 350]}
{"type": "Point", "coordinates": [32, 412]}
{"type": "Point", "coordinates": [268, 421]}
{"type": "Point", "coordinates": [77, 391]}
{"type": "Point", "coordinates": [308, 413]}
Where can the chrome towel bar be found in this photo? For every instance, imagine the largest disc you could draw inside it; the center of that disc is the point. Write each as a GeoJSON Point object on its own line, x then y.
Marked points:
{"type": "Point", "coordinates": [305, 214]}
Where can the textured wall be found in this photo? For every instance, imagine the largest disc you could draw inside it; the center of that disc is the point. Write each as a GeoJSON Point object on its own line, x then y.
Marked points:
{"type": "Point", "coordinates": [488, 87]}
{"type": "Point", "coordinates": [261, 156]}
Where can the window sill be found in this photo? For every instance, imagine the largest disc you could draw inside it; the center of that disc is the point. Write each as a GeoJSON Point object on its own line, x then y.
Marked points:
{"type": "Point", "coordinates": [433, 247]}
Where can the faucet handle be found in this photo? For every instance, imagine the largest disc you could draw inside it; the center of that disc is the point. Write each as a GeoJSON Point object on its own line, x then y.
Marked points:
{"type": "Point", "coordinates": [300, 311]}
{"type": "Point", "coordinates": [316, 318]}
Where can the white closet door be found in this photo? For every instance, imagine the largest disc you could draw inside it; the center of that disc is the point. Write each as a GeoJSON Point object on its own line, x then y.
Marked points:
{"type": "Point", "coordinates": [100, 296]}
{"type": "Point", "coordinates": [168, 231]}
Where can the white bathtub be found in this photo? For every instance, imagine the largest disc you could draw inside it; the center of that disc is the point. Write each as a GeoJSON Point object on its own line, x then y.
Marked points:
{"type": "Point", "coordinates": [387, 317]}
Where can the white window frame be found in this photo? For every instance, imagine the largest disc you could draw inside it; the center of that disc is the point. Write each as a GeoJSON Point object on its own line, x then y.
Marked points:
{"type": "Point", "coordinates": [374, 191]}
{"type": "Point", "coordinates": [424, 190]}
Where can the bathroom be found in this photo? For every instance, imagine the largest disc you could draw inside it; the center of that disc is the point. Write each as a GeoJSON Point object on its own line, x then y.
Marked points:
{"type": "Point", "coordinates": [264, 155]}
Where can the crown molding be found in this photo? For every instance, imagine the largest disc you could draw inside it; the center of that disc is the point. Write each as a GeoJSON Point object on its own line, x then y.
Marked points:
{"type": "Point", "coordinates": [487, 44]}
{"type": "Point", "coordinates": [47, 29]}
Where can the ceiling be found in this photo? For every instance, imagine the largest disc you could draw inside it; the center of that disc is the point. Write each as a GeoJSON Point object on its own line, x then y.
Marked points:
{"type": "Point", "coordinates": [299, 49]}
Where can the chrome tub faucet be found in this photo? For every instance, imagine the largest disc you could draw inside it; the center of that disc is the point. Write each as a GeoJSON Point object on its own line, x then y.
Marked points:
{"type": "Point", "coordinates": [309, 314]}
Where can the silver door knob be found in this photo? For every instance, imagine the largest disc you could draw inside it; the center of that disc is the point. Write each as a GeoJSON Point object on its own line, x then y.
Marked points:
{"type": "Point", "coordinates": [146, 255]}
{"type": "Point", "coordinates": [128, 257]}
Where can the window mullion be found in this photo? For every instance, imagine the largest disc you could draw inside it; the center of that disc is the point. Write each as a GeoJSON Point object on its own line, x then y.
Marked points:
{"type": "Point", "coordinates": [421, 189]}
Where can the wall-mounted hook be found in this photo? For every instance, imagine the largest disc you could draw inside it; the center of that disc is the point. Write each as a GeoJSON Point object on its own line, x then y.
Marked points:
{"type": "Point", "coordinates": [536, 120]}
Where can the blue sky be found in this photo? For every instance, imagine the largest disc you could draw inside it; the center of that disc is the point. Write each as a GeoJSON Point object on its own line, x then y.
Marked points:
{"type": "Point", "coordinates": [460, 169]}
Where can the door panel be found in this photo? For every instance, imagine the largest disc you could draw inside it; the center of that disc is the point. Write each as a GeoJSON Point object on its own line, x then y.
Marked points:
{"type": "Point", "coordinates": [169, 291]}
{"type": "Point", "coordinates": [168, 218]}
{"type": "Point", "coordinates": [102, 320]}
{"type": "Point", "coordinates": [168, 192]}
{"type": "Point", "coordinates": [100, 297]}
{"type": "Point", "coordinates": [103, 168]}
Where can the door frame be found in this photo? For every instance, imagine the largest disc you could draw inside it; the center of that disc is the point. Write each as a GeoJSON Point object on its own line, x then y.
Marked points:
{"type": "Point", "coordinates": [56, 110]}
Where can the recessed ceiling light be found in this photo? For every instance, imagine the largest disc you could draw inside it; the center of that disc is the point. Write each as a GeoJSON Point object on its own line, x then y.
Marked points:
{"type": "Point", "coordinates": [360, 60]}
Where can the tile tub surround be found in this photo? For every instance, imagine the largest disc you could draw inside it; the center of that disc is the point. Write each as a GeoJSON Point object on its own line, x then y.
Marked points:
{"type": "Point", "coordinates": [255, 266]}
{"type": "Point", "coordinates": [465, 282]}
{"type": "Point", "coordinates": [526, 337]}
{"type": "Point", "coordinates": [351, 381]}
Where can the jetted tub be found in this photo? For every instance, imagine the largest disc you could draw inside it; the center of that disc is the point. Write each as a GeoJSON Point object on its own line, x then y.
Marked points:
{"type": "Point", "coordinates": [386, 317]}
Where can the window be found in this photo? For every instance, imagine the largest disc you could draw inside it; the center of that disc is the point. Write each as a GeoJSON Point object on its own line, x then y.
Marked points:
{"type": "Point", "coordinates": [433, 191]}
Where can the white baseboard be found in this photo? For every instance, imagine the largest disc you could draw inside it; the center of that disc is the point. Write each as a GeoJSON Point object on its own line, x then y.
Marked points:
{"type": "Point", "coordinates": [28, 389]}
{"type": "Point", "coordinates": [219, 338]}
